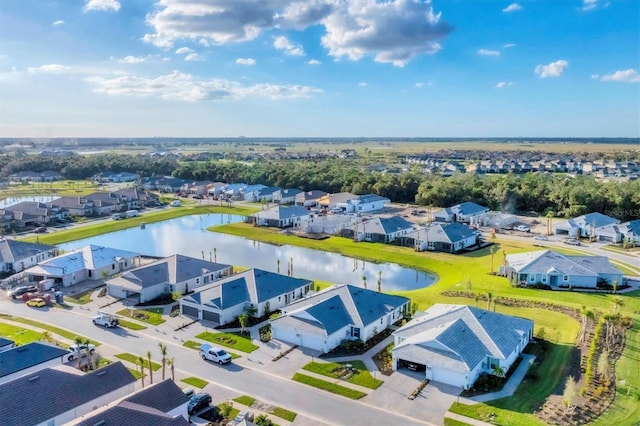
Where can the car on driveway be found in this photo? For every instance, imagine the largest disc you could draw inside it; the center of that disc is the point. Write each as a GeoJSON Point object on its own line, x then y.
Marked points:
{"type": "Point", "coordinates": [19, 291]}
{"type": "Point", "coordinates": [198, 402]}
{"type": "Point", "coordinates": [36, 302]}
{"type": "Point", "coordinates": [572, 242]}
{"type": "Point", "coordinates": [76, 350]}
{"type": "Point", "coordinates": [214, 354]}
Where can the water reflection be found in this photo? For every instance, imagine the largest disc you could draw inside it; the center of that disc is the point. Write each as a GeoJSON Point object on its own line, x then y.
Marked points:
{"type": "Point", "coordinates": [189, 236]}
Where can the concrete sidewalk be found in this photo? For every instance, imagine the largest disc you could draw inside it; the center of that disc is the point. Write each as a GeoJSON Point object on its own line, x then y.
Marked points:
{"type": "Point", "coordinates": [512, 384]}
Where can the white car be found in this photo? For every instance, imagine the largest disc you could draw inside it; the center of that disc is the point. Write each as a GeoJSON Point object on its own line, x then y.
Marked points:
{"type": "Point", "coordinates": [175, 203]}
{"type": "Point", "coordinates": [540, 238]}
{"type": "Point", "coordinates": [214, 354]}
{"type": "Point", "coordinates": [80, 350]}
{"type": "Point", "coordinates": [104, 320]}
{"type": "Point", "coordinates": [523, 228]}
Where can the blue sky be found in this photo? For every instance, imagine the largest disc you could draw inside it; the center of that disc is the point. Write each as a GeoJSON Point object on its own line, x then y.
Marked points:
{"type": "Point", "coordinates": [326, 68]}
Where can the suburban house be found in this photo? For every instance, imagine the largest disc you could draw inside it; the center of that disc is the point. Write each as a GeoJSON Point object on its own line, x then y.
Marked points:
{"type": "Point", "coordinates": [444, 237]}
{"type": "Point", "coordinates": [454, 344]}
{"type": "Point", "coordinates": [379, 229]}
{"type": "Point", "coordinates": [286, 196]}
{"type": "Point", "coordinates": [135, 198]}
{"type": "Point", "coordinates": [365, 203]}
{"type": "Point", "coordinates": [626, 233]}
{"type": "Point", "coordinates": [309, 198]}
{"type": "Point", "coordinates": [33, 213]}
{"type": "Point", "coordinates": [196, 187]}
{"type": "Point", "coordinates": [250, 192]}
{"type": "Point", "coordinates": [162, 183]}
{"type": "Point", "coordinates": [588, 225]}
{"type": "Point", "coordinates": [337, 200]}
{"type": "Point", "coordinates": [88, 263]}
{"type": "Point", "coordinates": [171, 274]}
{"type": "Point", "coordinates": [343, 312]}
{"type": "Point", "coordinates": [116, 177]}
{"type": "Point", "coordinates": [105, 203]}
{"type": "Point", "coordinates": [66, 395]}
{"type": "Point", "coordinates": [20, 360]}
{"type": "Point", "coordinates": [233, 190]}
{"type": "Point", "coordinates": [266, 194]}
{"type": "Point", "coordinates": [158, 404]}
{"type": "Point", "coordinates": [467, 212]}
{"type": "Point", "coordinates": [16, 256]}
{"type": "Point", "coordinates": [74, 206]}
{"type": "Point", "coordinates": [214, 189]}
{"type": "Point", "coordinates": [6, 219]}
{"type": "Point", "coordinates": [224, 300]}
{"type": "Point", "coordinates": [281, 216]}
{"type": "Point", "coordinates": [559, 270]}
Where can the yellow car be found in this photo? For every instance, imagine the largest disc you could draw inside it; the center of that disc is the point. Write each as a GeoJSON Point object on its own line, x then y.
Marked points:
{"type": "Point", "coordinates": [36, 302]}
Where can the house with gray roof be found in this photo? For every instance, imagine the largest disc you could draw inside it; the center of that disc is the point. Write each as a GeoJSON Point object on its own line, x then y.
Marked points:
{"type": "Point", "coordinates": [222, 301]}
{"type": "Point", "coordinates": [558, 270]}
{"type": "Point", "coordinates": [444, 237]}
{"type": "Point", "coordinates": [33, 213]}
{"type": "Point", "coordinates": [135, 198]}
{"type": "Point", "coordinates": [159, 404]}
{"type": "Point", "coordinates": [266, 194]}
{"type": "Point", "coordinates": [454, 344]}
{"type": "Point", "coordinates": [74, 206]}
{"type": "Point", "coordinates": [365, 203]}
{"type": "Point", "coordinates": [286, 196]}
{"type": "Point", "coordinates": [337, 200]}
{"type": "Point", "coordinates": [588, 225]}
{"type": "Point", "coordinates": [250, 192]}
{"type": "Point", "coordinates": [343, 312]}
{"type": "Point", "coordinates": [15, 256]}
{"type": "Point", "coordinates": [309, 198]}
{"type": "Point", "coordinates": [65, 395]}
{"type": "Point", "coordinates": [116, 177]}
{"type": "Point", "coordinates": [171, 274]}
{"type": "Point", "coordinates": [280, 216]}
{"type": "Point", "coordinates": [379, 229]}
{"type": "Point", "coordinates": [627, 233]}
{"type": "Point", "coordinates": [20, 360]}
{"type": "Point", "coordinates": [90, 262]}
{"type": "Point", "coordinates": [467, 212]}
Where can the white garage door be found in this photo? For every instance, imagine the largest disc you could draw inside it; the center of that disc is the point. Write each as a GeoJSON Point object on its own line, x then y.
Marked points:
{"type": "Point", "coordinates": [445, 376]}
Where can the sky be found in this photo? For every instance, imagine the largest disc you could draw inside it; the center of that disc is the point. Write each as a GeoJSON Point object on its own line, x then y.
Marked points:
{"type": "Point", "coordinates": [319, 68]}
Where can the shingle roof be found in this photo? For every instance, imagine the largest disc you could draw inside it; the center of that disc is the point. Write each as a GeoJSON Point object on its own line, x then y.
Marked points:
{"type": "Point", "coordinates": [331, 313]}
{"type": "Point", "coordinates": [370, 198]}
{"type": "Point", "coordinates": [465, 209]}
{"type": "Point", "coordinates": [29, 355]}
{"type": "Point", "coordinates": [132, 415]}
{"type": "Point", "coordinates": [542, 261]}
{"type": "Point", "coordinates": [88, 257]}
{"type": "Point", "coordinates": [164, 396]}
{"type": "Point", "coordinates": [386, 225]}
{"type": "Point", "coordinates": [13, 250]}
{"type": "Point", "coordinates": [448, 232]}
{"type": "Point", "coordinates": [311, 195]}
{"type": "Point", "coordinates": [64, 392]}
{"type": "Point", "coordinates": [594, 219]}
{"type": "Point", "coordinates": [282, 212]}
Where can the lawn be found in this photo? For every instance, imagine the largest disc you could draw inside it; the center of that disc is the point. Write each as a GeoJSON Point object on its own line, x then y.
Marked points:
{"type": "Point", "coordinates": [229, 340]}
{"type": "Point", "coordinates": [80, 298]}
{"type": "Point", "coordinates": [59, 331]}
{"type": "Point", "coordinates": [19, 335]}
{"type": "Point", "coordinates": [245, 400]}
{"type": "Point", "coordinates": [151, 316]}
{"type": "Point", "coordinates": [276, 411]}
{"type": "Point", "coordinates": [362, 376]}
{"type": "Point", "coordinates": [131, 325]}
{"type": "Point", "coordinates": [135, 373]}
{"type": "Point", "coordinates": [454, 422]}
{"type": "Point", "coordinates": [194, 381]}
{"type": "Point", "coordinates": [328, 386]}
{"type": "Point", "coordinates": [134, 360]}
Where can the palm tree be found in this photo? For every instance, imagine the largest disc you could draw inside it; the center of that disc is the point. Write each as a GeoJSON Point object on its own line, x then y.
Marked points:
{"type": "Point", "coordinates": [379, 281]}
{"type": "Point", "coordinates": [163, 352]}
{"type": "Point", "coordinates": [364, 281]}
{"type": "Point", "coordinates": [78, 342]}
{"type": "Point", "coordinates": [585, 315]}
{"type": "Point", "coordinates": [215, 255]}
{"type": "Point", "coordinates": [498, 371]}
{"type": "Point", "coordinates": [618, 304]}
{"type": "Point", "coordinates": [489, 298]}
{"type": "Point", "coordinates": [150, 369]}
{"type": "Point", "coordinates": [87, 342]}
{"type": "Point", "coordinates": [494, 249]}
{"type": "Point", "coordinates": [243, 319]}
{"type": "Point", "coordinates": [476, 298]}
{"type": "Point", "coordinates": [142, 374]}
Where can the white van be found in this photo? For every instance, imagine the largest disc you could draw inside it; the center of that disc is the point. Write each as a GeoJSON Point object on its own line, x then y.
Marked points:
{"type": "Point", "coordinates": [214, 354]}
{"type": "Point", "coordinates": [132, 213]}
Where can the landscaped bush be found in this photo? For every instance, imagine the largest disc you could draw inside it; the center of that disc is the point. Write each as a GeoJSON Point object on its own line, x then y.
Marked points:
{"type": "Point", "coordinates": [592, 352]}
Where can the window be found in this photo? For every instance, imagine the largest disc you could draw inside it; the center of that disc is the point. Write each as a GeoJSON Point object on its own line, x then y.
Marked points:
{"type": "Point", "coordinates": [113, 266]}
{"type": "Point", "coordinates": [565, 278]}
{"type": "Point", "coordinates": [197, 280]}
{"type": "Point", "coordinates": [532, 278]}
{"type": "Point", "coordinates": [493, 362]}
{"type": "Point", "coordinates": [544, 278]}
{"type": "Point", "coordinates": [355, 332]}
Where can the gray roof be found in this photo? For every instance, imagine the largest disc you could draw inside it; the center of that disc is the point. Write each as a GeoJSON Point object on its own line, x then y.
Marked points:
{"type": "Point", "coordinates": [628, 229]}
{"type": "Point", "coordinates": [340, 197]}
{"type": "Point", "coordinates": [64, 392]}
{"type": "Point", "coordinates": [595, 219]}
{"type": "Point", "coordinates": [448, 232]}
{"type": "Point", "coordinates": [91, 257]}
{"type": "Point", "coordinates": [26, 356]}
{"type": "Point", "coordinates": [32, 208]}
{"type": "Point", "coordinates": [164, 396]}
{"type": "Point", "coordinates": [386, 225]}
{"type": "Point", "coordinates": [310, 195]}
{"type": "Point", "coordinates": [13, 250]}
{"type": "Point", "coordinates": [371, 198]}
{"type": "Point", "coordinates": [466, 209]}
{"type": "Point", "coordinates": [130, 414]}
{"type": "Point", "coordinates": [331, 313]}
{"type": "Point", "coordinates": [468, 334]}
{"type": "Point", "coordinates": [546, 261]}
{"type": "Point", "coordinates": [280, 212]}
{"type": "Point", "coordinates": [268, 191]}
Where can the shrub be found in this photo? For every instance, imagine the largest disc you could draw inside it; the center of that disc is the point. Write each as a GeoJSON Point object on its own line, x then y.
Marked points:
{"type": "Point", "coordinates": [592, 352]}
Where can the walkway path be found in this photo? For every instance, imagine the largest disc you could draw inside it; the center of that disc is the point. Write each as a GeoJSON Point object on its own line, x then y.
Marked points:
{"type": "Point", "coordinates": [512, 384]}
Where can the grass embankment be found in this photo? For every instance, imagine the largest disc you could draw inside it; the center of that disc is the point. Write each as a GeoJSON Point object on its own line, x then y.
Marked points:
{"type": "Point", "coordinates": [131, 325]}
{"type": "Point", "coordinates": [135, 360]}
{"type": "Point", "coordinates": [148, 216]}
{"type": "Point", "coordinates": [59, 331]}
{"type": "Point", "coordinates": [151, 316]}
{"type": "Point", "coordinates": [334, 370]}
{"type": "Point", "coordinates": [229, 340]}
{"type": "Point", "coordinates": [194, 381]}
{"type": "Point", "coordinates": [328, 386]}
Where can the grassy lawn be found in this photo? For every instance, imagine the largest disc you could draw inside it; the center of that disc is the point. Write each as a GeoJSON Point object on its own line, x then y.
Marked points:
{"type": "Point", "coordinates": [362, 376]}
{"type": "Point", "coordinates": [150, 316]}
{"type": "Point", "coordinates": [276, 411]}
{"type": "Point", "coordinates": [80, 298]}
{"type": "Point", "coordinates": [454, 422]}
{"type": "Point", "coordinates": [245, 400]}
{"type": "Point", "coordinates": [194, 381]}
{"type": "Point", "coordinates": [135, 373]}
{"type": "Point", "coordinates": [21, 336]}
{"type": "Point", "coordinates": [134, 359]}
{"type": "Point", "coordinates": [229, 340]}
{"type": "Point", "coordinates": [131, 325]}
{"type": "Point", "coordinates": [500, 417]}
{"type": "Point", "coordinates": [196, 345]}
{"type": "Point", "coordinates": [330, 387]}
{"type": "Point", "coordinates": [61, 188]}
{"type": "Point", "coordinates": [59, 331]}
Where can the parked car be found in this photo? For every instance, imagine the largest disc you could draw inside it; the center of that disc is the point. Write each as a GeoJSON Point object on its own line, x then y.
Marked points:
{"type": "Point", "coordinates": [106, 320]}
{"type": "Point", "coordinates": [175, 203]}
{"type": "Point", "coordinates": [572, 242]}
{"type": "Point", "coordinates": [523, 228]}
{"type": "Point", "coordinates": [40, 229]}
{"type": "Point", "coordinates": [76, 350]}
{"type": "Point", "coordinates": [116, 216]}
{"type": "Point", "coordinates": [19, 291]}
{"type": "Point", "coordinates": [36, 302]}
{"type": "Point", "coordinates": [198, 402]}
{"type": "Point", "coordinates": [540, 238]}
{"type": "Point", "coordinates": [214, 354]}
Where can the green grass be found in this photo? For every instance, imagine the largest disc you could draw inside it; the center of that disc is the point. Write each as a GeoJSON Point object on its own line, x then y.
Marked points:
{"type": "Point", "coordinates": [103, 362]}
{"type": "Point", "coordinates": [194, 381]}
{"type": "Point", "coordinates": [151, 316]}
{"type": "Point", "coordinates": [21, 336]}
{"type": "Point", "coordinates": [500, 417]}
{"type": "Point", "coordinates": [245, 400]}
{"type": "Point", "coordinates": [329, 387]}
{"type": "Point", "coordinates": [284, 414]}
{"type": "Point", "coordinates": [362, 376]}
{"type": "Point", "coordinates": [56, 330]}
{"type": "Point", "coordinates": [134, 360]}
{"type": "Point", "coordinates": [453, 422]}
{"type": "Point", "coordinates": [80, 298]}
{"type": "Point", "coordinates": [131, 325]}
{"type": "Point", "coordinates": [135, 373]}
{"type": "Point", "coordinates": [229, 340]}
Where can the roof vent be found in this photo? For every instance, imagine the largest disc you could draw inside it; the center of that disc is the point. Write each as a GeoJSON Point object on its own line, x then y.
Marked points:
{"type": "Point", "coordinates": [34, 378]}
{"type": "Point", "coordinates": [102, 373]}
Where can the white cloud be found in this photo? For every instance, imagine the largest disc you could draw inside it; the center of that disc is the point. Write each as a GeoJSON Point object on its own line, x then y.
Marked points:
{"type": "Point", "coordinates": [183, 50]}
{"type": "Point", "coordinates": [362, 84]}
{"type": "Point", "coordinates": [58, 23]}
{"type": "Point", "coordinates": [508, 45]}
{"type": "Point", "coordinates": [246, 61]}
{"type": "Point", "coordinates": [133, 59]}
{"type": "Point", "coordinates": [588, 5]}
{"type": "Point", "coordinates": [48, 69]}
{"type": "Point", "coordinates": [624, 76]}
{"type": "Point", "coordinates": [504, 84]}
{"type": "Point", "coordinates": [193, 57]}
{"type": "Point", "coordinates": [554, 69]}
{"type": "Point", "coordinates": [595, 76]}
{"type": "Point", "coordinates": [313, 62]}
{"type": "Point", "coordinates": [419, 85]}
{"type": "Point", "coordinates": [513, 7]}
{"type": "Point", "coordinates": [185, 87]}
{"type": "Point", "coordinates": [283, 43]}
{"type": "Point", "coordinates": [486, 52]}
{"type": "Point", "coordinates": [102, 5]}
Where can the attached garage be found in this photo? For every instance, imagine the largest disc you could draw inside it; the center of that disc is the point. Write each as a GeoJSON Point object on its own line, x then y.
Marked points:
{"type": "Point", "coordinates": [210, 316]}
{"type": "Point", "coordinates": [447, 376]}
{"type": "Point", "coordinates": [189, 311]}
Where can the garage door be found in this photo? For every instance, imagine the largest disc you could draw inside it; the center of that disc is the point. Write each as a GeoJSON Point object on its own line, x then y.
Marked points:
{"type": "Point", "coordinates": [211, 316]}
{"type": "Point", "coordinates": [189, 311]}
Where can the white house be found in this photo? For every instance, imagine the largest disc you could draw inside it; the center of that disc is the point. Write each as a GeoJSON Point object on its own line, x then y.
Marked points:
{"type": "Point", "coordinates": [309, 198]}
{"type": "Point", "coordinates": [343, 312]}
{"type": "Point", "coordinates": [588, 225]}
{"type": "Point", "coordinates": [365, 203]}
{"type": "Point", "coordinates": [250, 192]}
{"type": "Point", "coordinates": [379, 229]}
{"type": "Point", "coordinates": [16, 256]}
{"type": "Point", "coordinates": [286, 196]}
{"type": "Point", "coordinates": [282, 216]}
{"type": "Point", "coordinates": [558, 270]}
{"type": "Point", "coordinates": [467, 212]}
{"type": "Point", "coordinates": [444, 237]}
{"type": "Point", "coordinates": [454, 344]}
{"type": "Point", "coordinates": [171, 274]}
{"type": "Point", "coordinates": [627, 233]}
{"type": "Point", "coordinates": [222, 301]}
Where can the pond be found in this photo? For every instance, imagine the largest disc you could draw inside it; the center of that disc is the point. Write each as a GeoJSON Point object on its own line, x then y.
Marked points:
{"type": "Point", "coordinates": [189, 236]}
{"type": "Point", "coordinates": [10, 201]}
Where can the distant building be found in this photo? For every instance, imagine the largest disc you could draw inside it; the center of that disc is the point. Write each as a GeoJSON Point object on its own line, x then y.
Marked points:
{"type": "Point", "coordinates": [16, 256]}
{"type": "Point", "coordinates": [282, 216]}
{"type": "Point", "coordinates": [467, 212]}
{"type": "Point", "coordinates": [587, 225]}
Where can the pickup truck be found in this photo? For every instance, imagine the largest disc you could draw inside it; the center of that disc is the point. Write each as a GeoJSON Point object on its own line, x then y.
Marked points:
{"type": "Point", "coordinates": [105, 320]}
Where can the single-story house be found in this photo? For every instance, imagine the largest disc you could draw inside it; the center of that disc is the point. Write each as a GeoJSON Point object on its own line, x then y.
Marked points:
{"type": "Point", "coordinates": [224, 300]}
{"type": "Point", "coordinates": [65, 395]}
{"type": "Point", "coordinates": [20, 360]}
{"type": "Point", "coordinates": [135, 198]}
{"type": "Point", "coordinates": [171, 274]}
{"type": "Point", "coordinates": [467, 212]}
{"type": "Point", "coordinates": [233, 190]}
{"type": "Point", "coordinates": [266, 194]}
{"type": "Point", "coordinates": [214, 189]}
{"type": "Point", "coordinates": [559, 270]}
{"type": "Point", "coordinates": [365, 203]}
{"type": "Point", "coordinates": [588, 225]}
{"type": "Point", "coordinates": [91, 262]}
{"type": "Point", "coordinates": [162, 183]}
{"type": "Point", "coordinates": [309, 198]}
{"type": "Point", "coordinates": [627, 233]}
{"type": "Point", "coordinates": [454, 344]}
{"type": "Point", "coordinates": [343, 312]}
{"type": "Point", "coordinates": [159, 404]}
{"type": "Point", "coordinates": [282, 216]}
{"type": "Point", "coordinates": [379, 229]}
{"type": "Point", "coordinates": [16, 256]}
{"type": "Point", "coordinates": [116, 177]}
{"type": "Point", "coordinates": [286, 196]}
{"type": "Point", "coordinates": [337, 200]}
{"type": "Point", "coordinates": [444, 237]}
{"type": "Point", "coordinates": [250, 192]}
{"type": "Point", "coordinates": [105, 203]}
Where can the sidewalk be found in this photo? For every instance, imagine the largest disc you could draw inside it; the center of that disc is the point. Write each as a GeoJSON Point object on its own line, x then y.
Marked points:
{"type": "Point", "coordinates": [465, 419]}
{"type": "Point", "coordinates": [512, 384]}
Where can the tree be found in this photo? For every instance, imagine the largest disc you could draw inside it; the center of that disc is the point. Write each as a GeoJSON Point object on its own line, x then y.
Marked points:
{"type": "Point", "coordinates": [226, 408]}
{"type": "Point", "coordinates": [87, 342]}
{"type": "Point", "coordinates": [78, 342]}
{"type": "Point", "coordinates": [263, 420]}
{"type": "Point", "coordinates": [498, 371]}
{"type": "Point", "coordinates": [569, 394]}
{"type": "Point", "coordinates": [603, 365]}
{"type": "Point", "coordinates": [493, 250]}
{"type": "Point", "coordinates": [243, 319]}
{"type": "Point", "coordinates": [618, 303]}
{"type": "Point", "coordinates": [142, 373]}
{"type": "Point", "coordinates": [172, 364]}
{"type": "Point", "coordinates": [476, 298]}
{"type": "Point", "coordinates": [163, 352]}
{"type": "Point", "coordinates": [614, 284]}
{"type": "Point", "coordinates": [364, 281]}
{"type": "Point", "coordinates": [585, 315]}
{"type": "Point", "coordinates": [150, 367]}
{"type": "Point", "coordinates": [489, 299]}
